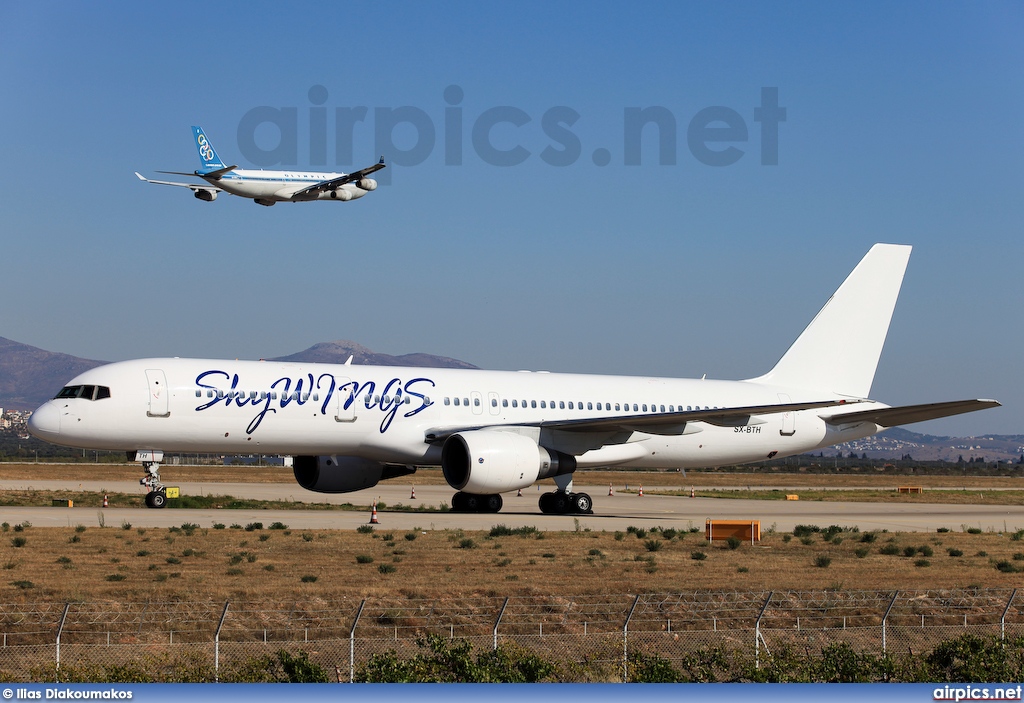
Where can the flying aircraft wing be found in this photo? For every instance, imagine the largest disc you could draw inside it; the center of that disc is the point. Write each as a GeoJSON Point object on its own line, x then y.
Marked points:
{"type": "Point", "coordinates": [655, 423]}
{"type": "Point", "coordinates": [335, 183]}
{"type": "Point", "coordinates": [193, 186]}
{"type": "Point", "coordinates": [907, 414]}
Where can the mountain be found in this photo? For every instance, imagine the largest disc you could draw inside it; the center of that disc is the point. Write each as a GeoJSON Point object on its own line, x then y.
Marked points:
{"type": "Point", "coordinates": [896, 443]}
{"type": "Point", "coordinates": [338, 352]}
{"type": "Point", "coordinates": [29, 376]}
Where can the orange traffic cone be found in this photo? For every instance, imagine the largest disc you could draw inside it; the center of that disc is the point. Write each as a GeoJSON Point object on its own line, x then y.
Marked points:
{"type": "Point", "coordinates": [691, 492]}
{"type": "Point", "coordinates": [413, 496]}
{"type": "Point", "coordinates": [641, 490]}
{"type": "Point", "coordinates": [373, 515]}
{"type": "Point", "coordinates": [104, 501]}
{"type": "Point", "coordinates": [610, 491]}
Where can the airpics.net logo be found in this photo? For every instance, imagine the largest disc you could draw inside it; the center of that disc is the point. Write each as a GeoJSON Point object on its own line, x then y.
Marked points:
{"type": "Point", "coordinates": [715, 136]}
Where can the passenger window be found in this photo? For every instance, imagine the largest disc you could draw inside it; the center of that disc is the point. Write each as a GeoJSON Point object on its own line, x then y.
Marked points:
{"type": "Point", "coordinates": [504, 403]}
{"type": "Point", "coordinates": [561, 405]}
{"type": "Point", "coordinates": [199, 394]}
{"type": "Point", "coordinates": [476, 402]}
{"type": "Point", "coordinates": [456, 401]}
{"type": "Point", "coordinates": [515, 403]}
{"type": "Point", "coordinates": [543, 404]}
{"type": "Point", "coordinates": [465, 401]}
{"type": "Point", "coordinates": [533, 403]}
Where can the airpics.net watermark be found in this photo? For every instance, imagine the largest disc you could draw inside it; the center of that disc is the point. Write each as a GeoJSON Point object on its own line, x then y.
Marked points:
{"type": "Point", "coordinates": [407, 135]}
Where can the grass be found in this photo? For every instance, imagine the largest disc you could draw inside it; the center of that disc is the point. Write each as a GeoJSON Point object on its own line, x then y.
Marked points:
{"type": "Point", "coordinates": [222, 563]}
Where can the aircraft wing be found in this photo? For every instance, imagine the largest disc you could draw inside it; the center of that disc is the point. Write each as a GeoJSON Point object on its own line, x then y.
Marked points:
{"type": "Point", "coordinates": [655, 423]}
{"type": "Point", "coordinates": [193, 186]}
{"type": "Point", "coordinates": [907, 414]}
{"type": "Point", "coordinates": [342, 180]}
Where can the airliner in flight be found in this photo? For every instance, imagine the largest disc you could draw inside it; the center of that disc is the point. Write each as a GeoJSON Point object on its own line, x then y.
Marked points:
{"type": "Point", "coordinates": [269, 187]}
{"type": "Point", "coordinates": [349, 426]}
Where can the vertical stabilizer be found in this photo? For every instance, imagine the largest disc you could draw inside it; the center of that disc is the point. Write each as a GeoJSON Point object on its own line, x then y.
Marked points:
{"type": "Point", "coordinates": [838, 352]}
{"type": "Point", "coordinates": [207, 154]}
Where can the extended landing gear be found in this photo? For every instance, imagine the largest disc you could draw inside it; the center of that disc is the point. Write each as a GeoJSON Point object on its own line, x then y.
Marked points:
{"type": "Point", "coordinates": [476, 503]}
{"type": "Point", "coordinates": [564, 502]}
{"type": "Point", "coordinates": [157, 496]}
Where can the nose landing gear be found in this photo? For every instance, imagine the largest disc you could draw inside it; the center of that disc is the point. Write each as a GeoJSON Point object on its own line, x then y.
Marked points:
{"type": "Point", "coordinates": [157, 496]}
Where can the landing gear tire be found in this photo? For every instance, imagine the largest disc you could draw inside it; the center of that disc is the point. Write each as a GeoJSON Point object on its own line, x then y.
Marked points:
{"type": "Point", "coordinates": [582, 503]}
{"type": "Point", "coordinates": [476, 503]}
{"type": "Point", "coordinates": [156, 499]}
{"type": "Point", "coordinates": [559, 503]}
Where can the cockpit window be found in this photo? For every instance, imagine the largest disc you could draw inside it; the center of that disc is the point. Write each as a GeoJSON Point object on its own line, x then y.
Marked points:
{"type": "Point", "coordinates": [85, 392]}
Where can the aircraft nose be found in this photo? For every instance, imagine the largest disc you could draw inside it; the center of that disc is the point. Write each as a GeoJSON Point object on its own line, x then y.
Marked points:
{"type": "Point", "coordinates": [44, 423]}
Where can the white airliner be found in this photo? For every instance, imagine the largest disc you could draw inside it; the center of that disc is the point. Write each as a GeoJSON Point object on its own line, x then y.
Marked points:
{"type": "Point", "coordinates": [350, 426]}
{"type": "Point", "coordinates": [269, 187]}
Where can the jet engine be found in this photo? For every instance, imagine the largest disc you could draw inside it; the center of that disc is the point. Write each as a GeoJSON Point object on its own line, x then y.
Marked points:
{"type": "Point", "coordinates": [343, 474]}
{"type": "Point", "coordinates": [494, 461]}
{"type": "Point", "coordinates": [341, 194]}
{"type": "Point", "coordinates": [203, 194]}
{"type": "Point", "coordinates": [367, 184]}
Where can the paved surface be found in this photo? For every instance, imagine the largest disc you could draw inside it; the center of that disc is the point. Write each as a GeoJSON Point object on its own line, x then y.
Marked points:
{"type": "Point", "coordinates": [610, 512]}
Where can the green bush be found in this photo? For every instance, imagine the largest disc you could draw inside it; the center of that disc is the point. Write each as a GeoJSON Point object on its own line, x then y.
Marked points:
{"type": "Point", "coordinates": [733, 542]}
{"type": "Point", "coordinates": [442, 660]}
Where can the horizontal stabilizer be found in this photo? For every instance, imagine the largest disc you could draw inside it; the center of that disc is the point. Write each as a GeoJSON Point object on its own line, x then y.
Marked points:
{"type": "Point", "coordinates": [907, 414]}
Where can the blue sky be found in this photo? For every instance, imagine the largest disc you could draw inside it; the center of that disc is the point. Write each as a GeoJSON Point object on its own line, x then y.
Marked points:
{"type": "Point", "coordinates": [903, 124]}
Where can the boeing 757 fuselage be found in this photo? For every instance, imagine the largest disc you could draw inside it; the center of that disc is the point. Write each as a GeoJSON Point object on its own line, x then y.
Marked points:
{"type": "Point", "coordinates": [349, 426]}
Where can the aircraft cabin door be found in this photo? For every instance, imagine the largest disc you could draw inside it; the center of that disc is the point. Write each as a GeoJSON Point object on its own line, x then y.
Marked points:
{"type": "Point", "coordinates": [159, 395]}
{"type": "Point", "coordinates": [493, 403]}
{"type": "Point", "coordinates": [478, 403]}
{"type": "Point", "coordinates": [788, 419]}
{"type": "Point", "coordinates": [345, 401]}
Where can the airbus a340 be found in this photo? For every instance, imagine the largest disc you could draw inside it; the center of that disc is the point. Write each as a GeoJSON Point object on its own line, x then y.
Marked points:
{"type": "Point", "coordinates": [269, 187]}
{"type": "Point", "coordinates": [350, 426]}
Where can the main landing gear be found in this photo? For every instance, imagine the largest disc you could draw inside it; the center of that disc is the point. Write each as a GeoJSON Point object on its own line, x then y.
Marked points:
{"type": "Point", "coordinates": [476, 503]}
{"type": "Point", "coordinates": [565, 502]}
{"type": "Point", "coordinates": [157, 496]}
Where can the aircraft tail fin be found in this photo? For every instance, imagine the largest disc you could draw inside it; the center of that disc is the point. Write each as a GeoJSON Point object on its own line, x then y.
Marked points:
{"type": "Point", "coordinates": [839, 351]}
{"type": "Point", "coordinates": [207, 154]}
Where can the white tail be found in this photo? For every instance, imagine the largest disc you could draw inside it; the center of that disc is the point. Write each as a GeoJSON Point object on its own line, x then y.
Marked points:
{"type": "Point", "coordinates": [838, 352]}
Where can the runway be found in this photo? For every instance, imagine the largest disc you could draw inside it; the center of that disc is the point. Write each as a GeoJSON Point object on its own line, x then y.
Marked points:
{"type": "Point", "coordinates": [611, 513]}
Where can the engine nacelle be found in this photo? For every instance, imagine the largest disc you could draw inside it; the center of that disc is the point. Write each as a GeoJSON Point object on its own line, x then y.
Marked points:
{"type": "Point", "coordinates": [494, 461]}
{"type": "Point", "coordinates": [367, 184]}
{"type": "Point", "coordinates": [343, 474]}
{"type": "Point", "coordinates": [207, 195]}
{"type": "Point", "coordinates": [341, 194]}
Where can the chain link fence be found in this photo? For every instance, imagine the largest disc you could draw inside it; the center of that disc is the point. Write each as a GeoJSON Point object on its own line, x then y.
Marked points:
{"type": "Point", "coordinates": [593, 636]}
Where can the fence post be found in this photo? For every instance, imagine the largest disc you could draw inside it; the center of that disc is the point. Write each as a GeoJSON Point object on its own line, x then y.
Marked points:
{"type": "Point", "coordinates": [216, 642]}
{"type": "Point", "coordinates": [498, 622]}
{"type": "Point", "coordinates": [625, 650]}
{"type": "Point", "coordinates": [60, 631]}
{"type": "Point", "coordinates": [757, 632]}
{"type": "Point", "coordinates": [352, 643]}
{"type": "Point", "coordinates": [886, 617]}
{"type": "Point", "coordinates": [1002, 620]}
